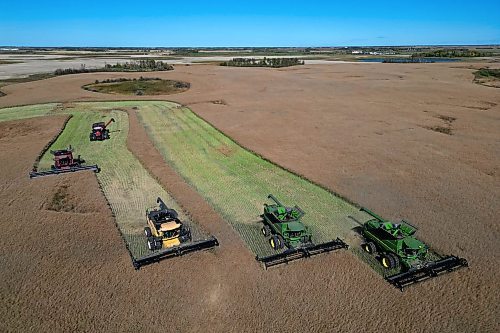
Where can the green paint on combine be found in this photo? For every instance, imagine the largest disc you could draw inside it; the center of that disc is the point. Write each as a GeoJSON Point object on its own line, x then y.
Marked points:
{"type": "Point", "coordinates": [284, 227]}
{"type": "Point", "coordinates": [396, 247]}
{"type": "Point", "coordinates": [396, 241]}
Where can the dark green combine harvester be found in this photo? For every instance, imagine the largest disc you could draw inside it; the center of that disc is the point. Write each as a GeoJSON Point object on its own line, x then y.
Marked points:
{"type": "Point", "coordinates": [397, 248]}
{"type": "Point", "coordinates": [285, 229]}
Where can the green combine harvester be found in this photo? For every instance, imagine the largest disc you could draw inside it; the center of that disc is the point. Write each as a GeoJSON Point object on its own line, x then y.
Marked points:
{"type": "Point", "coordinates": [285, 229]}
{"type": "Point", "coordinates": [397, 248]}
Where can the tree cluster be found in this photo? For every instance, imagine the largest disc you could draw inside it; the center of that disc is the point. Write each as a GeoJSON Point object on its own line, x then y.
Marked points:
{"type": "Point", "coordinates": [122, 79]}
{"type": "Point", "coordinates": [148, 65]}
{"type": "Point", "coordinates": [264, 62]}
{"type": "Point", "coordinates": [488, 73]}
{"type": "Point", "coordinates": [141, 66]}
{"type": "Point", "coordinates": [411, 60]}
{"type": "Point", "coordinates": [451, 53]}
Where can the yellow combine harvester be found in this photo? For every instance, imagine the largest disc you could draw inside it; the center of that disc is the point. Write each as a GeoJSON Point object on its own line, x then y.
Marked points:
{"type": "Point", "coordinates": [164, 229]}
{"type": "Point", "coordinates": [168, 237]}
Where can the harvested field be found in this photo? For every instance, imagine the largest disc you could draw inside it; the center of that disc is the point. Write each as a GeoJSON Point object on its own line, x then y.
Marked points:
{"type": "Point", "coordinates": [353, 128]}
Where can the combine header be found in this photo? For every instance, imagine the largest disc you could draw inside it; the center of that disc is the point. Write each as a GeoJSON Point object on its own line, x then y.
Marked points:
{"type": "Point", "coordinates": [284, 227]}
{"type": "Point", "coordinates": [64, 162]}
{"type": "Point", "coordinates": [168, 236]}
{"type": "Point", "coordinates": [396, 247]}
{"type": "Point", "coordinates": [100, 131]}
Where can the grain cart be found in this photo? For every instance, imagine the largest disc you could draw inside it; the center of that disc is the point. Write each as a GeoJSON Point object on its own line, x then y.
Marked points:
{"type": "Point", "coordinates": [397, 248]}
{"type": "Point", "coordinates": [100, 131]}
{"type": "Point", "coordinates": [285, 229]}
{"type": "Point", "coordinates": [167, 236]}
{"type": "Point", "coordinates": [64, 162]}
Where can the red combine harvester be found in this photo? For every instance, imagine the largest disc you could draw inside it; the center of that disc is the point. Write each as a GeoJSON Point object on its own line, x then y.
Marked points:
{"type": "Point", "coordinates": [64, 162]}
{"type": "Point", "coordinates": [100, 131]}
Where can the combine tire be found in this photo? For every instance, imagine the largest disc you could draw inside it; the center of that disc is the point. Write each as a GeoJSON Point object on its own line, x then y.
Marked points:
{"type": "Point", "coordinates": [147, 232]}
{"type": "Point", "coordinates": [151, 244]}
{"type": "Point", "coordinates": [275, 242]}
{"type": "Point", "coordinates": [389, 261]}
{"type": "Point", "coordinates": [370, 248]}
{"type": "Point", "coordinates": [281, 242]}
{"type": "Point", "coordinates": [265, 231]}
{"type": "Point", "coordinates": [158, 244]}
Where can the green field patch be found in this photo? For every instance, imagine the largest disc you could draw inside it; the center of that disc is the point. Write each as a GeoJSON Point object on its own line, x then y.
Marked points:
{"type": "Point", "coordinates": [141, 86]}
{"type": "Point", "coordinates": [24, 112]}
{"type": "Point", "coordinates": [128, 187]}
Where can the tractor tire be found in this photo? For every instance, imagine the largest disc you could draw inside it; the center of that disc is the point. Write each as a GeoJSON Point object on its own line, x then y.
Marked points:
{"type": "Point", "coordinates": [265, 231]}
{"type": "Point", "coordinates": [281, 242]}
{"type": "Point", "coordinates": [370, 248]}
{"type": "Point", "coordinates": [388, 261]}
{"type": "Point", "coordinates": [274, 242]}
{"type": "Point", "coordinates": [395, 260]}
{"type": "Point", "coordinates": [151, 244]}
{"type": "Point", "coordinates": [147, 232]}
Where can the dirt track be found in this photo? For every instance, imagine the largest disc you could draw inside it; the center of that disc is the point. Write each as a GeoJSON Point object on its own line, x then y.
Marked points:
{"type": "Point", "coordinates": [357, 129]}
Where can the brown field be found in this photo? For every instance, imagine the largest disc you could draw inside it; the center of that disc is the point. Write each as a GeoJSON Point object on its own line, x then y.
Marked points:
{"type": "Point", "coordinates": [419, 141]}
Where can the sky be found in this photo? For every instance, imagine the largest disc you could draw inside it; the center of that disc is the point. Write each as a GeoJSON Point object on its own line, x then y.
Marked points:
{"type": "Point", "coordinates": [257, 23]}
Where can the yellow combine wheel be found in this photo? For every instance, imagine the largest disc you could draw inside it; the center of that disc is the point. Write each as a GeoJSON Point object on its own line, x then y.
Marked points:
{"type": "Point", "coordinates": [276, 242]}
{"type": "Point", "coordinates": [370, 248]}
{"type": "Point", "coordinates": [385, 262]}
{"type": "Point", "coordinates": [389, 260]}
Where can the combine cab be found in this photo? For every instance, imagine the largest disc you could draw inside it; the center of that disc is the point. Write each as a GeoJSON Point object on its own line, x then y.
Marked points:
{"type": "Point", "coordinates": [100, 131]}
{"type": "Point", "coordinates": [168, 236]}
{"type": "Point", "coordinates": [164, 229]}
{"type": "Point", "coordinates": [397, 248]}
{"type": "Point", "coordinates": [64, 162]}
{"type": "Point", "coordinates": [284, 228]}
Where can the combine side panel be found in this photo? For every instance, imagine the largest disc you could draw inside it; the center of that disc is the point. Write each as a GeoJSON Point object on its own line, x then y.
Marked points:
{"type": "Point", "coordinates": [35, 174]}
{"type": "Point", "coordinates": [294, 254]}
{"type": "Point", "coordinates": [434, 269]}
{"type": "Point", "coordinates": [176, 251]}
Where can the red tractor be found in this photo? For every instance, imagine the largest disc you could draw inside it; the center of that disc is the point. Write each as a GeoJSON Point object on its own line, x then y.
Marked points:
{"type": "Point", "coordinates": [64, 162]}
{"type": "Point", "coordinates": [100, 131]}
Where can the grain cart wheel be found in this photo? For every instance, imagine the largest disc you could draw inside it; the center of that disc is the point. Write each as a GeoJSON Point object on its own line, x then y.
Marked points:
{"type": "Point", "coordinates": [274, 241]}
{"type": "Point", "coordinates": [265, 231]}
{"type": "Point", "coordinates": [151, 244]}
{"type": "Point", "coordinates": [147, 231]}
{"type": "Point", "coordinates": [370, 248]}
{"type": "Point", "coordinates": [388, 261]}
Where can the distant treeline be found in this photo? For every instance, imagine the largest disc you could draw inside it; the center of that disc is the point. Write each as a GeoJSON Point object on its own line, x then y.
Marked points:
{"type": "Point", "coordinates": [450, 54]}
{"type": "Point", "coordinates": [264, 62]}
{"type": "Point", "coordinates": [411, 60]}
{"type": "Point", "coordinates": [148, 65]}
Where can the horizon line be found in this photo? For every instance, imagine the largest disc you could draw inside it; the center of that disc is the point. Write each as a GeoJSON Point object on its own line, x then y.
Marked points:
{"type": "Point", "coordinates": [243, 47]}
